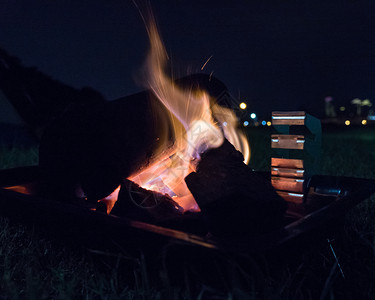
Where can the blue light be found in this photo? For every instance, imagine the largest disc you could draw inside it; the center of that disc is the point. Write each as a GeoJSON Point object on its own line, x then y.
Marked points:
{"type": "Point", "coordinates": [264, 123]}
{"type": "Point", "coordinates": [246, 123]}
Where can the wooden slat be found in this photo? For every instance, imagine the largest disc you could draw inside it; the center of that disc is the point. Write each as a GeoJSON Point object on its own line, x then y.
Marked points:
{"type": "Point", "coordinates": [287, 163]}
{"type": "Point", "coordinates": [287, 184]}
{"type": "Point", "coordinates": [286, 172]}
{"type": "Point", "coordinates": [280, 141]}
{"type": "Point", "coordinates": [291, 197]}
{"type": "Point", "coordinates": [288, 118]}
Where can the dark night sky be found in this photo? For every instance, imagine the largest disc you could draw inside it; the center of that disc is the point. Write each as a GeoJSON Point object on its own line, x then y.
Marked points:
{"type": "Point", "coordinates": [276, 55]}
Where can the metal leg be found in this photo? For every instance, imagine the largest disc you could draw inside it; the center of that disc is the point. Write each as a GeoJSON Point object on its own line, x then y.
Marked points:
{"type": "Point", "coordinates": [336, 258]}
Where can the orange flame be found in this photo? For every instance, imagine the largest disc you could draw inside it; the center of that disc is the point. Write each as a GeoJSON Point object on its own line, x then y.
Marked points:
{"type": "Point", "coordinates": [197, 126]}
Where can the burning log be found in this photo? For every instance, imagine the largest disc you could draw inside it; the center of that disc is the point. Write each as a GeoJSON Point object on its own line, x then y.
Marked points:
{"type": "Point", "coordinates": [232, 197]}
{"type": "Point", "coordinates": [145, 205]}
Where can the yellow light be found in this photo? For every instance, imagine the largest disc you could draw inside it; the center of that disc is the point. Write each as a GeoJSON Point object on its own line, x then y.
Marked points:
{"type": "Point", "coordinates": [269, 123]}
{"type": "Point", "coordinates": [347, 122]}
{"type": "Point", "coordinates": [243, 105]}
{"type": "Point", "coordinates": [364, 122]}
{"type": "Point", "coordinates": [342, 108]}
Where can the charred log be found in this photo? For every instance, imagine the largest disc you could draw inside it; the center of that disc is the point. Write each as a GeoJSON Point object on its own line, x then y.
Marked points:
{"type": "Point", "coordinates": [232, 197]}
{"type": "Point", "coordinates": [141, 204]}
{"type": "Point", "coordinates": [137, 203]}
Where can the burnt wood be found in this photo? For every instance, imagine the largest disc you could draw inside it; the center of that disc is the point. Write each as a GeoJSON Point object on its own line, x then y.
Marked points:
{"type": "Point", "coordinates": [137, 203]}
{"type": "Point", "coordinates": [141, 204]}
{"type": "Point", "coordinates": [233, 198]}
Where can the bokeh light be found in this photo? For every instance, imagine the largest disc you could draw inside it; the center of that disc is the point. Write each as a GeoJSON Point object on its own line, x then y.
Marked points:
{"type": "Point", "coordinates": [243, 105]}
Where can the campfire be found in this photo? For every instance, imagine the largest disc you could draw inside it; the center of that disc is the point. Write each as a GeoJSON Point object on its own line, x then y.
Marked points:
{"type": "Point", "coordinates": [165, 154]}
{"type": "Point", "coordinates": [170, 161]}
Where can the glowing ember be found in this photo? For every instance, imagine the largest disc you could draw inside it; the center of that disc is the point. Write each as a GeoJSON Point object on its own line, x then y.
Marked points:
{"type": "Point", "coordinates": [198, 123]}
{"type": "Point", "coordinates": [111, 199]}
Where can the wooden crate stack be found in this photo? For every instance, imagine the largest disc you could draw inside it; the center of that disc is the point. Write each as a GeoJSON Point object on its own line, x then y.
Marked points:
{"type": "Point", "coordinates": [296, 151]}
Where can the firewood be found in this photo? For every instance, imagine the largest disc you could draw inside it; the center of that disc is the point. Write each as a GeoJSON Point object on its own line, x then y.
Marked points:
{"type": "Point", "coordinates": [233, 198]}
{"type": "Point", "coordinates": [145, 205]}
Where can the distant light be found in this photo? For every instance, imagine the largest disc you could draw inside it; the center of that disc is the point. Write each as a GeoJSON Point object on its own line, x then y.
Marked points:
{"type": "Point", "coordinates": [366, 102]}
{"type": "Point", "coordinates": [253, 115]}
{"type": "Point", "coordinates": [256, 124]}
{"type": "Point", "coordinates": [225, 124]}
{"type": "Point", "coordinates": [356, 101]}
{"type": "Point", "coordinates": [364, 122]}
{"type": "Point", "coordinates": [372, 118]}
{"type": "Point", "coordinates": [347, 122]}
{"type": "Point", "coordinates": [342, 108]}
{"type": "Point", "coordinates": [269, 123]}
{"type": "Point", "coordinates": [328, 99]}
{"type": "Point", "coordinates": [243, 105]}
{"type": "Point", "coordinates": [245, 123]}
{"type": "Point", "coordinates": [264, 123]}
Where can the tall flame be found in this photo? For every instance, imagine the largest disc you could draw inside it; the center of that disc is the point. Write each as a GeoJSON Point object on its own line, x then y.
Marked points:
{"type": "Point", "coordinates": [197, 123]}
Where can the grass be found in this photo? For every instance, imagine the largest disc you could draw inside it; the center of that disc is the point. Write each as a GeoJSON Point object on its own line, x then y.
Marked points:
{"type": "Point", "coordinates": [17, 147]}
{"type": "Point", "coordinates": [18, 156]}
{"type": "Point", "coordinates": [32, 267]}
{"type": "Point", "coordinates": [35, 267]}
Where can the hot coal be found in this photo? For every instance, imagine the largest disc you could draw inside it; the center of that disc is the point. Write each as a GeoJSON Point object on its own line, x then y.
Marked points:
{"type": "Point", "coordinates": [141, 204]}
{"type": "Point", "coordinates": [232, 197]}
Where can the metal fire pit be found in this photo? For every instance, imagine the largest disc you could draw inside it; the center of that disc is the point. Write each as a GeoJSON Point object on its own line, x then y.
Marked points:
{"type": "Point", "coordinates": [327, 200]}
